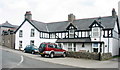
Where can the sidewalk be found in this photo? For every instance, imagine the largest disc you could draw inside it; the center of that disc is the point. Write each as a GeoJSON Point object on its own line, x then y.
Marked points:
{"type": "Point", "coordinates": [84, 63]}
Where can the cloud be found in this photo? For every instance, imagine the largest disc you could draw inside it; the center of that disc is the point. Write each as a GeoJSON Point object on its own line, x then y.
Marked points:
{"type": "Point", "coordinates": [54, 10]}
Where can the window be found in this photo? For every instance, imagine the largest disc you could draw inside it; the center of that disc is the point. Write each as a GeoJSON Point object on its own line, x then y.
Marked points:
{"type": "Point", "coordinates": [32, 32]}
{"type": "Point", "coordinates": [20, 33]}
{"type": "Point", "coordinates": [69, 46]}
{"type": "Point", "coordinates": [74, 46]}
{"type": "Point", "coordinates": [32, 42]}
{"type": "Point", "coordinates": [52, 35]}
{"type": "Point", "coordinates": [71, 33]}
{"type": "Point", "coordinates": [20, 44]}
{"type": "Point", "coordinates": [95, 32]}
{"type": "Point", "coordinates": [42, 46]}
{"type": "Point", "coordinates": [58, 47]}
{"type": "Point", "coordinates": [83, 45]}
{"type": "Point", "coordinates": [51, 46]}
{"type": "Point", "coordinates": [95, 49]}
{"type": "Point", "coordinates": [95, 44]}
{"type": "Point", "coordinates": [107, 33]}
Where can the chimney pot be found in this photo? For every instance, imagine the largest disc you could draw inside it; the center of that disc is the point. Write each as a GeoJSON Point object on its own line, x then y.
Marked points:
{"type": "Point", "coordinates": [28, 15]}
{"type": "Point", "coordinates": [114, 13]}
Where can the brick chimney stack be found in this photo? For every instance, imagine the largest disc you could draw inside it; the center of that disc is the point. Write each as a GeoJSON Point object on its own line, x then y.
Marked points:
{"type": "Point", "coordinates": [28, 15]}
{"type": "Point", "coordinates": [114, 13]}
{"type": "Point", "coordinates": [71, 17]}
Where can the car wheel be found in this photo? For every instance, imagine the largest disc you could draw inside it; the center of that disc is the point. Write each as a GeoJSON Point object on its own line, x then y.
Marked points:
{"type": "Point", "coordinates": [43, 55]}
{"type": "Point", "coordinates": [51, 55]}
{"type": "Point", "coordinates": [64, 54]}
{"type": "Point", "coordinates": [33, 52]}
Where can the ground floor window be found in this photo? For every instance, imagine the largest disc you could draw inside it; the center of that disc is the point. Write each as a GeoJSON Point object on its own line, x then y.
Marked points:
{"type": "Point", "coordinates": [74, 46]}
{"type": "Point", "coordinates": [32, 42]}
{"type": "Point", "coordinates": [95, 47]}
{"type": "Point", "coordinates": [69, 46]}
{"type": "Point", "coordinates": [20, 44]}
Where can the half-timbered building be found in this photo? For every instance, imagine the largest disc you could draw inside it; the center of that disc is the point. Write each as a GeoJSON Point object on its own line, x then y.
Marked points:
{"type": "Point", "coordinates": [100, 34]}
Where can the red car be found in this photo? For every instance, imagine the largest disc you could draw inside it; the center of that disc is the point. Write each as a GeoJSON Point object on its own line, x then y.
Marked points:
{"type": "Point", "coordinates": [51, 49]}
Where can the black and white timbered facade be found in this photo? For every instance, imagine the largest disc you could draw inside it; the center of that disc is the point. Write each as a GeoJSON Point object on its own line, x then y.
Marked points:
{"type": "Point", "coordinates": [100, 34]}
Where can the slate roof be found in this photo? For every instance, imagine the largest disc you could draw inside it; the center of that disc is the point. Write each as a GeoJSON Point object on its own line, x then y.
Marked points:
{"type": "Point", "coordinates": [39, 25]}
{"type": "Point", "coordinates": [82, 40]}
{"type": "Point", "coordinates": [8, 25]}
{"type": "Point", "coordinates": [81, 24]}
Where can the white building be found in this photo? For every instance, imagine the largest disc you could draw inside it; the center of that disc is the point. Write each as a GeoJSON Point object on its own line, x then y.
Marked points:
{"type": "Point", "coordinates": [100, 34]}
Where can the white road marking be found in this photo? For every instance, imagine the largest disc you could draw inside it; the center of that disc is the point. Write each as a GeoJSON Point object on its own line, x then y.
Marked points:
{"type": "Point", "coordinates": [22, 59]}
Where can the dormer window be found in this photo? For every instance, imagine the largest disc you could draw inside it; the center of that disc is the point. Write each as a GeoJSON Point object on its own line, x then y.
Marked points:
{"type": "Point", "coordinates": [71, 32]}
{"type": "Point", "coordinates": [95, 32]}
{"type": "Point", "coordinates": [71, 29]}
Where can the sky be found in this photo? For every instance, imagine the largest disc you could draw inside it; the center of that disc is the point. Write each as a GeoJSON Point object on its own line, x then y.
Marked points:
{"type": "Point", "coordinates": [54, 10]}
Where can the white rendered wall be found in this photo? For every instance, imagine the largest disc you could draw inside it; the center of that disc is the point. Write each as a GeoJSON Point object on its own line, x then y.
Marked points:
{"type": "Point", "coordinates": [26, 27]}
{"type": "Point", "coordinates": [87, 47]}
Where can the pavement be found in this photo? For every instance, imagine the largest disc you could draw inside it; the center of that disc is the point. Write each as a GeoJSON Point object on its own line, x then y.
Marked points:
{"type": "Point", "coordinates": [82, 63]}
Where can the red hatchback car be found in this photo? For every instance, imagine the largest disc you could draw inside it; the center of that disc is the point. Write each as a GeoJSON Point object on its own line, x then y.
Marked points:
{"type": "Point", "coordinates": [51, 49]}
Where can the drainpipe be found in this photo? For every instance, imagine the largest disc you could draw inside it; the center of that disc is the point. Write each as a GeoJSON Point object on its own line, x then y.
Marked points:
{"type": "Point", "coordinates": [108, 44]}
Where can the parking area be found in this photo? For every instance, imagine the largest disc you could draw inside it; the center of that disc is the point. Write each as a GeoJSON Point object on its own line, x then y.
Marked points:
{"type": "Point", "coordinates": [85, 63]}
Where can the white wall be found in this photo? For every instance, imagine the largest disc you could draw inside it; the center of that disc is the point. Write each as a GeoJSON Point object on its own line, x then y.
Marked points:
{"type": "Point", "coordinates": [26, 27]}
{"type": "Point", "coordinates": [115, 41]}
{"type": "Point", "coordinates": [87, 47]}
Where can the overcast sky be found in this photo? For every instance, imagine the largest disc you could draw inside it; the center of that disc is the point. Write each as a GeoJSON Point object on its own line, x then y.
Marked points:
{"type": "Point", "coordinates": [54, 10]}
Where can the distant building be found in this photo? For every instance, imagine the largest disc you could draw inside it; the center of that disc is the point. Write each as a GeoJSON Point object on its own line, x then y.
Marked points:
{"type": "Point", "coordinates": [7, 37]}
{"type": "Point", "coordinates": [100, 34]}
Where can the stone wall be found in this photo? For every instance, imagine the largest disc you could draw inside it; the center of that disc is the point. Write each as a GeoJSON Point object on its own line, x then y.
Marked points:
{"type": "Point", "coordinates": [9, 40]}
{"type": "Point", "coordinates": [87, 55]}
{"type": "Point", "coordinates": [106, 56]}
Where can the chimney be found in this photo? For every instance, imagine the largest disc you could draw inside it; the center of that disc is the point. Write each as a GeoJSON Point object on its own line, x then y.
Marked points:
{"type": "Point", "coordinates": [28, 15]}
{"type": "Point", "coordinates": [71, 17]}
{"type": "Point", "coordinates": [114, 13]}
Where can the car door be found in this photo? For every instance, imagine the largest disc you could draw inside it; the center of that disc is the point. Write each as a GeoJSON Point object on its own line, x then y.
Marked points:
{"type": "Point", "coordinates": [58, 50]}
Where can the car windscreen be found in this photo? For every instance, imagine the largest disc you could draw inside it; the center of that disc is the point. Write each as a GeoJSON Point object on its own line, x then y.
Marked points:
{"type": "Point", "coordinates": [42, 46]}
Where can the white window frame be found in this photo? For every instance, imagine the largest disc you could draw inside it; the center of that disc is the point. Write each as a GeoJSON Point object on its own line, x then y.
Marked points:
{"type": "Point", "coordinates": [32, 32]}
{"type": "Point", "coordinates": [95, 32]}
{"type": "Point", "coordinates": [20, 44]}
{"type": "Point", "coordinates": [21, 33]}
{"type": "Point", "coordinates": [93, 46]}
{"type": "Point", "coordinates": [70, 48]}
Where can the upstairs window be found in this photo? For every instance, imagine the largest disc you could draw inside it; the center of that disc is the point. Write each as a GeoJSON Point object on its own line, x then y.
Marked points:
{"type": "Point", "coordinates": [32, 32]}
{"type": "Point", "coordinates": [107, 33]}
{"type": "Point", "coordinates": [71, 32]}
{"type": "Point", "coordinates": [20, 33]}
{"type": "Point", "coordinates": [95, 32]}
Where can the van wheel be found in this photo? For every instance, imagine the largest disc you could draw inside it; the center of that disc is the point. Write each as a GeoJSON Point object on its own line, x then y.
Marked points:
{"type": "Point", "coordinates": [33, 52]}
{"type": "Point", "coordinates": [64, 54]}
{"type": "Point", "coordinates": [51, 55]}
{"type": "Point", "coordinates": [43, 55]}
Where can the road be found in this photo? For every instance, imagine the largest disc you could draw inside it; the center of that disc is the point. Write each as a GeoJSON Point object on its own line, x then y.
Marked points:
{"type": "Point", "coordinates": [18, 60]}
{"type": "Point", "coordinates": [13, 60]}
